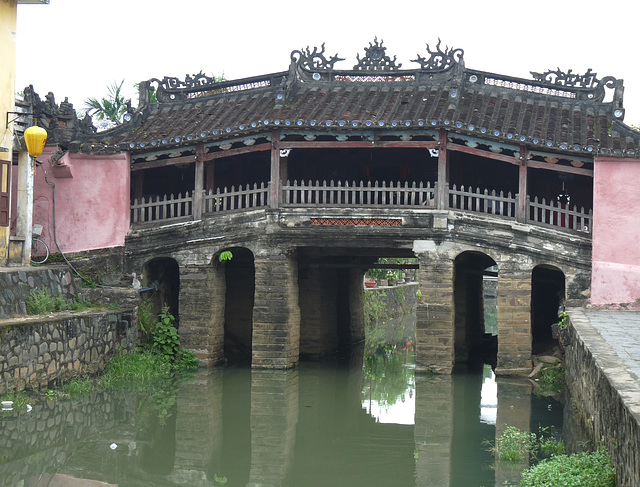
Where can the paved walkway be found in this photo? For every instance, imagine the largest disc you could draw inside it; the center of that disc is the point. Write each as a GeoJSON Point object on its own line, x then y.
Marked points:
{"type": "Point", "coordinates": [621, 330]}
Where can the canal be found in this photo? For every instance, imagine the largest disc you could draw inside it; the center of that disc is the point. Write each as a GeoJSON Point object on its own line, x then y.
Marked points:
{"type": "Point", "coordinates": [355, 421]}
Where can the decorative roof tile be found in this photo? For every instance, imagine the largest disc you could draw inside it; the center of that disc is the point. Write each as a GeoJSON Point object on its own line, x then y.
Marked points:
{"type": "Point", "coordinates": [557, 111]}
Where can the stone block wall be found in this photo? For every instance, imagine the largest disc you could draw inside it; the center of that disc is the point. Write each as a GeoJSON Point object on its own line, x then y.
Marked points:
{"type": "Point", "coordinates": [606, 397]}
{"type": "Point", "coordinates": [17, 284]}
{"type": "Point", "coordinates": [36, 351]}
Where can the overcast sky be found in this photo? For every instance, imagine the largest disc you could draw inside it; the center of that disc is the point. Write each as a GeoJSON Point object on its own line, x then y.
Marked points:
{"type": "Point", "coordinates": [81, 46]}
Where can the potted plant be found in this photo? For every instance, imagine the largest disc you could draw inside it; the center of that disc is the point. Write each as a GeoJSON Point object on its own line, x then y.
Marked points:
{"type": "Point", "coordinates": [391, 278]}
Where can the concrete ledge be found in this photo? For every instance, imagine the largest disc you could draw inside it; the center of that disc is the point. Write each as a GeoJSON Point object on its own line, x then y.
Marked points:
{"type": "Point", "coordinates": [606, 394]}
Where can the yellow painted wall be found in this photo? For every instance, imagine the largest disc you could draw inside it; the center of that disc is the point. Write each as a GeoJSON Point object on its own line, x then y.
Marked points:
{"type": "Point", "coordinates": [8, 16]}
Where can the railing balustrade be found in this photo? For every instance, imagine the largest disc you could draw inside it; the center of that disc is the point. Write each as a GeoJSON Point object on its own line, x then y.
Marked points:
{"type": "Point", "coordinates": [479, 201]}
{"type": "Point", "coordinates": [367, 195]}
{"type": "Point", "coordinates": [362, 194]}
{"type": "Point", "coordinates": [225, 200]}
{"type": "Point", "coordinates": [557, 214]}
{"type": "Point", "coordinates": [161, 208]}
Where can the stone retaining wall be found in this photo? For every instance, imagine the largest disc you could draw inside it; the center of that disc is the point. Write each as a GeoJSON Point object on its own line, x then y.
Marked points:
{"type": "Point", "coordinates": [17, 284]}
{"type": "Point", "coordinates": [606, 397]}
{"type": "Point", "coordinates": [37, 350]}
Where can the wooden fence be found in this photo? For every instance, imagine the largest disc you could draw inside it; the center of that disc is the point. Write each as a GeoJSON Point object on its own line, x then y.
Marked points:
{"type": "Point", "coordinates": [157, 208]}
{"type": "Point", "coordinates": [367, 195]}
{"type": "Point", "coordinates": [362, 194]}
{"type": "Point", "coordinates": [224, 200]}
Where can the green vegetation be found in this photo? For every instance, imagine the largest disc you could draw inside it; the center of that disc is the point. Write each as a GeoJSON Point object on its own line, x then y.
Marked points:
{"type": "Point", "coordinates": [556, 467]}
{"type": "Point", "coordinates": [375, 305]}
{"type": "Point", "coordinates": [514, 445]}
{"type": "Point", "coordinates": [41, 302]}
{"type": "Point", "coordinates": [387, 378]}
{"type": "Point", "coordinates": [225, 255]}
{"type": "Point", "coordinates": [111, 108]}
{"type": "Point", "coordinates": [578, 470]}
{"type": "Point", "coordinates": [551, 380]}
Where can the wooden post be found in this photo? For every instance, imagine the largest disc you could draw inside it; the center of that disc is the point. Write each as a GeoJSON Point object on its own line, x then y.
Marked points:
{"type": "Point", "coordinates": [521, 210]}
{"type": "Point", "coordinates": [442, 201]}
{"type": "Point", "coordinates": [198, 197]}
{"type": "Point", "coordinates": [274, 194]}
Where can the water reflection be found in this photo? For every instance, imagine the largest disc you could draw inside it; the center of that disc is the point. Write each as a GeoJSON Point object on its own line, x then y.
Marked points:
{"type": "Point", "coordinates": [339, 424]}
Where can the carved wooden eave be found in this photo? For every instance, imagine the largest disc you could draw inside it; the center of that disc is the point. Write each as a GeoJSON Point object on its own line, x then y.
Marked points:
{"type": "Point", "coordinates": [560, 118]}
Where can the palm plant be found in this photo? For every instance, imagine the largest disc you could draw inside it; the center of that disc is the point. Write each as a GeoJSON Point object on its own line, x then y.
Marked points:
{"type": "Point", "coordinates": [111, 108]}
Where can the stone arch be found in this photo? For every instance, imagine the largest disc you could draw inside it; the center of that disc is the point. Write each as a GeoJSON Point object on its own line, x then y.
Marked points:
{"type": "Point", "coordinates": [240, 287]}
{"type": "Point", "coordinates": [473, 270]}
{"type": "Point", "coordinates": [548, 292]}
{"type": "Point", "coordinates": [161, 285]}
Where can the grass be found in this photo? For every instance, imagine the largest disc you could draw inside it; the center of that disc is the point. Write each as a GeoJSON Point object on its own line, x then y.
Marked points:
{"type": "Point", "coordinates": [578, 470]}
{"type": "Point", "coordinates": [41, 302]}
{"type": "Point", "coordinates": [551, 380]}
{"type": "Point", "coordinates": [514, 445]}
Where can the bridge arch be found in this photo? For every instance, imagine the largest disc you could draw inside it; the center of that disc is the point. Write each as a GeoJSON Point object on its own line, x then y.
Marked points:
{"type": "Point", "coordinates": [548, 291]}
{"type": "Point", "coordinates": [161, 285]}
{"type": "Point", "coordinates": [239, 291]}
{"type": "Point", "coordinates": [474, 273]}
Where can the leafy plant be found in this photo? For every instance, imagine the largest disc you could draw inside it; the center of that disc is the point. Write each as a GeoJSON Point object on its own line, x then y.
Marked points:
{"type": "Point", "coordinates": [563, 322]}
{"type": "Point", "coordinates": [551, 380]}
{"type": "Point", "coordinates": [225, 255]}
{"type": "Point", "coordinates": [578, 470]}
{"type": "Point", "coordinates": [514, 445]}
{"type": "Point", "coordinates": [164, 335]}
{"type": "Point", "coordinates": [111, 108]}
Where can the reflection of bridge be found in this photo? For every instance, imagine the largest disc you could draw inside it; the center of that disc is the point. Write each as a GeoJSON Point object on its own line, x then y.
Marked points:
{"type": "Point", "coordinates": [261, 427]}
{"type": "Point", "coordinates": [310, 174]}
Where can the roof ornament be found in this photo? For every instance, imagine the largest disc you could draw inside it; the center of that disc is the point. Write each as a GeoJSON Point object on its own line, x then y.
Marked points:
{"type": "Point", "coordinates": [316, 60]}
{"type": "Point", "coordinates": [569, 79]}
{"type": "Point", "coordinates": [376, 59]}
{"type": "Point", "coordinates": [438, 59]}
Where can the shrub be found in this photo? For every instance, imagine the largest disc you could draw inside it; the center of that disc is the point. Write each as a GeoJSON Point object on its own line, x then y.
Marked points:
{"type": "Point", "coordinates": [579, 470]}
{"type": "Point", "coordinates": [514, 445]}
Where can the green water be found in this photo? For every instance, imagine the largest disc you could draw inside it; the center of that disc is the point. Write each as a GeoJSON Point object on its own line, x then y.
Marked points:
{"type": "Point", "coordinates": [357, 422]}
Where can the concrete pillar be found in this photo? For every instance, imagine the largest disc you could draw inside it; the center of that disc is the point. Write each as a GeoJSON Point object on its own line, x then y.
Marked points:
{"type": "Point", "coordinates": [274, 417]}
{"type": "Point", "coordinates": [433, 431]}
{"type": "Point", "coordinates": [24, 222]}
{"type": "Point", "coordinates": [202, 303]}
{"type": "Point", "coordinates": [514, 321]}
{"type": "Point", "coordinates": [356, 305]}
{"type": "Point", "coordinates": [276, 312]}
{"type": "Point", "coordinates": [318, 332]}
{"type": "Point", "coordinates": [435, 314]}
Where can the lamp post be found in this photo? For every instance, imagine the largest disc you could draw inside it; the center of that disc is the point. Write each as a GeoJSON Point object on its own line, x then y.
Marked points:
{"type": "Point", "coordinates": [35, 139]}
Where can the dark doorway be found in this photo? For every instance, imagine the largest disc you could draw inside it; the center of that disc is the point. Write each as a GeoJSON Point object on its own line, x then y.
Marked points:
{"type": "Point", "coordinates": [161, 282]}
{"type": "Point", "coordinates": [238, 314]}
{"type": "Point", "coordinates": [474, 341]}
{"type": "Point", "coordinates": [547, 295]}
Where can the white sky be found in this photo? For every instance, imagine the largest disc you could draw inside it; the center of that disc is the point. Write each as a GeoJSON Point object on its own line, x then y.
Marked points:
{"type": "Point", "coordinates": [81, 46]}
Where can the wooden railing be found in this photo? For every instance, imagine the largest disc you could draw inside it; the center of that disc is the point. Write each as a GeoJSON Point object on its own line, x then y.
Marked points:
{"type": "Point", "coordinates": [364, 195]}
{"type": "Point", "coordinates": [367, 195]}
{"type": "Point", "coordinates": [479, 201]}
{"type": "Point", "coordinates": [557, 214]}
{"type": "Point", "coordinates": [161, 208]}
{"type": "Point", "coordinates": [223, 199]}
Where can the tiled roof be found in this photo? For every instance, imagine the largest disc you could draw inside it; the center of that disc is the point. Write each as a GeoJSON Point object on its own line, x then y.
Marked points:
{"type": "Point", "coordinates": [557, 112]}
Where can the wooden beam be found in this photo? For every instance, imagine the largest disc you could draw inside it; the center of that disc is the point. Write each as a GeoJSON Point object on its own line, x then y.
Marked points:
{"type": "Point", "coordinates": [240, 150]}
{"type": "Point", "coordinates": [521, 211]}
{"type": "Point", "coordinates": [557, 167]}
{"type": "Point", "coordinates": [198, 197]}
{"type": "Point", "coordinates": [360, 144]}
{"type": "Point", "coordinates": [483, 153]}
{"type": "Point", "coordinates": [139, 166]}
{"type": "Point", "coordinates": [274, 194]}
{"type": "Point", "coordinates": [442, 198]}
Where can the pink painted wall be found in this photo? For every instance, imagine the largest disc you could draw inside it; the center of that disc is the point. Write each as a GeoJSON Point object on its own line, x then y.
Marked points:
{"type": "Point", "coordinates": [615, 264]}
{"type": "Point", "coordinates": [92, 206]}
